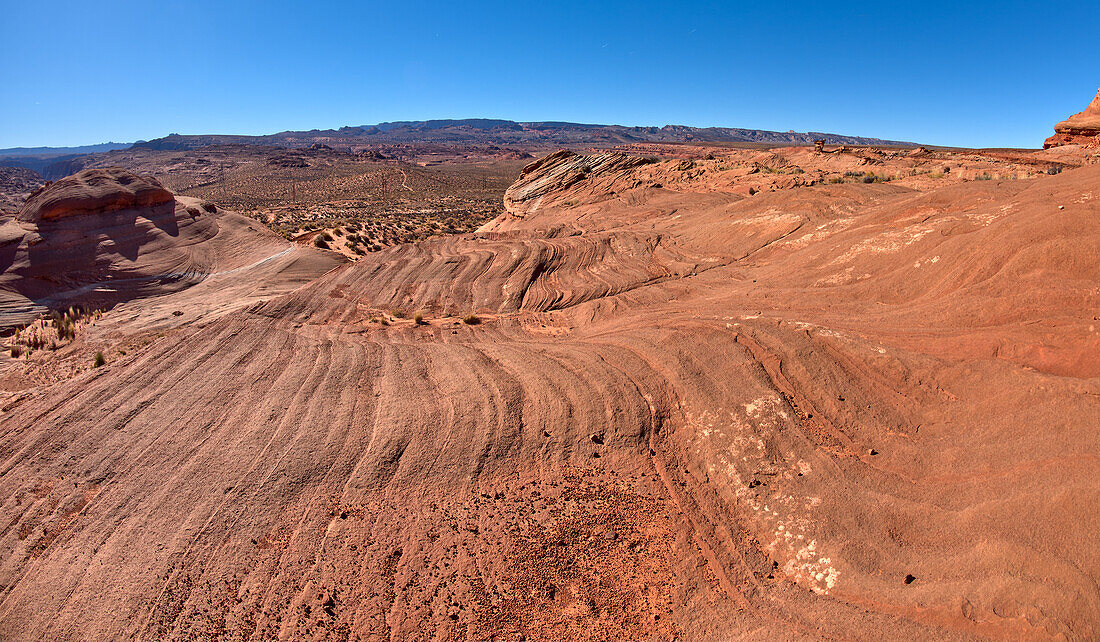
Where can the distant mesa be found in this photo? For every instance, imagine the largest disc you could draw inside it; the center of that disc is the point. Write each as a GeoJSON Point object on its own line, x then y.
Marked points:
{"type": "Point", "coordinates": [1079, 129]}
{"type": "Point", "coordinates": [485, 131]}
{"type": "Point", "coordinates": [94, 191]}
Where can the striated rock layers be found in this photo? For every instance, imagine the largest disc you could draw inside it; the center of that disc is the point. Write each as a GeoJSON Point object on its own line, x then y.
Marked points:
{"type": "Point", "coordinates": [560, 171]}
{"type": "Point", "coordinates": [107, 235]}
{"type": "Point", "coordinates": [94, 191]}
{"type": "Point", "coordinates": [1079, 129]}
{"type": "Point", "coordinates": [838, 411]}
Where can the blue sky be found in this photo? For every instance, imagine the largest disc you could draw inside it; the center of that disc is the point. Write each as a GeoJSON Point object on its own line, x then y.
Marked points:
{"type": "Point", "coordinates": [949, 73]}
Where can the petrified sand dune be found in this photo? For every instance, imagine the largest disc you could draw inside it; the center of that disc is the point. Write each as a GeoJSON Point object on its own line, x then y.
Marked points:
{"type": "Point", "coordinates": [841, 411]}
{"type": "Point", "coordinates": [105, 236]}
{"type": "Point", "coordinates": [94, 192]}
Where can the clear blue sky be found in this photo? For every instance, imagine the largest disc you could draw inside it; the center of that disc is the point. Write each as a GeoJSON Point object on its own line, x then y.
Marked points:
{"type": "Point", "coordinates": [950, 73]}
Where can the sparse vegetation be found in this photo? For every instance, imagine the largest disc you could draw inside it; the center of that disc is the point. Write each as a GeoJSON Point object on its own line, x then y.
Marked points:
{"type": "Point", "coordinates": [471, 319]}
{"type": "Point", "coordinates": [16, 351]}
{"type": "Point", "coordinates": [52, 331]}
{"type": "Point", "coordinates": [418, 319]}
{"type": "Point", "coordinates": [98, 360]}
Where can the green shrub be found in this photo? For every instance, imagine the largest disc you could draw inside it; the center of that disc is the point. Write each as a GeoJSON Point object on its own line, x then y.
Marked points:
{"type": "Point", "coordinates": [418, 319]}
{"type": "Point", "coordinates": [471, 319]}
{"type": "Point", "coordinates": [99, 360]}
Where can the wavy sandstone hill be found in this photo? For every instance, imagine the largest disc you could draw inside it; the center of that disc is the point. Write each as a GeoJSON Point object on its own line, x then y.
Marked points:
{"type": "Point", "coordinates": [854, 409]}
{"type": "Point", "coordinates": [105, 236]}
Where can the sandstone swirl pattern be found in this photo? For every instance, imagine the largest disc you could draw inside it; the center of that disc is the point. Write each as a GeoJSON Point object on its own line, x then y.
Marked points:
{"type": "Point", "coordinates": [685, 413]}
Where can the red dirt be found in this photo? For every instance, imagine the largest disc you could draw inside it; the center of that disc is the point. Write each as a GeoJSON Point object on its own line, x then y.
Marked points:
{"type": "Point", "coordinates": [828, 410]}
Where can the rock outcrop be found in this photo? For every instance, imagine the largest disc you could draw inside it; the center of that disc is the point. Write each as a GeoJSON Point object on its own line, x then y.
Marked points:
{"type": "Point", "coordinates": [105, 236]}
{"type": "Point", "coordinates": [560, 171]}
{"type": "Point", "coordinates": [94, 191]}
{"type": "Point", "coordinates": [1079, 129]}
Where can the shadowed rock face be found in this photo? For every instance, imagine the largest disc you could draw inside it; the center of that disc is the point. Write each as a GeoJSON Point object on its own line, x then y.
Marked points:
{"type": "Point", "coordinates": [1082, 128]}
{"type": "Point", "coordinates": [104, 236]}
{"type": "Point", "coordinates": [94, 191]}
{"type": "Point", "coordinates": [833, 410]}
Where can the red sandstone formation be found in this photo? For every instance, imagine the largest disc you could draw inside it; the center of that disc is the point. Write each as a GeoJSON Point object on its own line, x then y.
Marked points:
{"type": "Point", "coordinates": [1079, 129]}
{"type": "Point", "coordinates": [862, 409]}
{"type": "Point", "coordinates": [104, 236]}
{"type": "Point", "coordinates": [94, 191]}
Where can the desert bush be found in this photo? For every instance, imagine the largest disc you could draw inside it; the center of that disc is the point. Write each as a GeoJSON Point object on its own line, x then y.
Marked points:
{"type": "Point", "coordinates": [16, 351]}
{"type": "Point", "coordinates": [99, 360]}
{"type": "Point", "coordinates": [985, 177]}
{"type": "Point", "coordinates": [471, 319]}
{"type": "Point", "coordinates": [418, 319]}
{"type": "Point", "coordinates": [397, 314]}
{"type": "Point", "coordinates": [321, 243]}
{"type": "Point", "coordinates": [1054, 169]}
